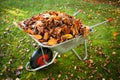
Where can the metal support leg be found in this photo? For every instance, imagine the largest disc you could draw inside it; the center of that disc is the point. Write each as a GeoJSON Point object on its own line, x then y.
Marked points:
{"type": "Point", "coordinates": [85, 47]}
{"type": "Point", "coordinates": [76, 54]}
{"type": "Point", "coordinates": [43, 55]}
{"type": "Point", "coordinates": [85, 53]}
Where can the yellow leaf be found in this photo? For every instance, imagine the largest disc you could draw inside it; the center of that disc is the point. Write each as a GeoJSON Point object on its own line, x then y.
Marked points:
{"type": "Point", "coordinates": [37, 36]}
{"type": "Point", "coordinates": [86, 32]}
{"type": "Point", "coordinates": [52, 42]}
{"type": "Point", "coordinates": [68, 36]}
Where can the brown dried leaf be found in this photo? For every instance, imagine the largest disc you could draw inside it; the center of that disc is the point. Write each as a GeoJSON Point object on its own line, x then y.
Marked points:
{"type": "Point", "coordinates": [38, 23]}
{"type": "Point", "coordinates": [100, 52]}
{"type": "Point", "coordinates": [37, 17]}
{"type": "Point", "coordinates": [65, 29]}
{"type": "Point", "coordinates": [91, 61]}
{"type": "Point", "coordinates": [66, 20]}
{"type": "Point", "coordinates": [40, 29]}
{"type": "Point", "coordinates": [76, 25]}
{"type": "Point", "coordinates": [58, 30]}
{"type": "Point", "coordinates": [115, 34]}
{"type": "Point", "coordinates": [72, 30]}
{"type": "Point", "coordinates": [46, 36]}
{"type": "Point", "coordinates": [29, 31]}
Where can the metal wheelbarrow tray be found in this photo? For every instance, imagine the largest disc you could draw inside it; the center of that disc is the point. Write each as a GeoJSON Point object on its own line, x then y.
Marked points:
{"type": "Point", "coordinates": [58, 48]}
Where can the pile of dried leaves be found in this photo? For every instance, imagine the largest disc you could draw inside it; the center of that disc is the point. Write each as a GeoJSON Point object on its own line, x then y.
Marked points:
{"type": "Point", "coordinates": [51, 28]}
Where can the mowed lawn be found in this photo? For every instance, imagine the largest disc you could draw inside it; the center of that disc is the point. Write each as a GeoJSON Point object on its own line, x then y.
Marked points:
{"type": "Point", "coordinates": [103, 44]}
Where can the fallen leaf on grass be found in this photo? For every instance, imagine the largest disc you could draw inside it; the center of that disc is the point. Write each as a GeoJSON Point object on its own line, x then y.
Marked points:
{"type": "Point", "coordinates": [71, 75]}
{"type": "Point", "coordinates": [45, 79]}
{"type": "Point", "coordinates": [100, 52]}
{"type": "Point", "coordinates": [59, 55]}
{"type": "Point", "coordinates": [115, 34]}
{"type": "Point", "coordinates": [107, 61]}
{"type": "Point", "coordinates": [34, 44]}
{"type": "Point", "coordinates": [17, 79]}
{"type": "Point", "coordinates": [59, 75]}
{"type": "Point", "coordinates": [53, 78]}
{"type": "Point", "coordinates": [91, 61]}
{"type": "Point", "coordinates": [75, 67]}
{"type": "Point", "coordinates": [113, 53]}
{"type": "Point", "coordinates": [20, 67]}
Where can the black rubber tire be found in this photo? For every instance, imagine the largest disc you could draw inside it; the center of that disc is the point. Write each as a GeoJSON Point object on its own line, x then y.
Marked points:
{"type": "Point", "coordinates": [34, 59]}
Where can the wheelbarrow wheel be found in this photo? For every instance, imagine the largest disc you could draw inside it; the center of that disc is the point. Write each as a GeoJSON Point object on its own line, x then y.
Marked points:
{"type": "Point", "coordinates": [37, 59]}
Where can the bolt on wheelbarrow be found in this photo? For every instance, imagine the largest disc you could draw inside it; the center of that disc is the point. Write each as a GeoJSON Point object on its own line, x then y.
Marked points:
{"type": "Point", "coordinates": [46, 54]}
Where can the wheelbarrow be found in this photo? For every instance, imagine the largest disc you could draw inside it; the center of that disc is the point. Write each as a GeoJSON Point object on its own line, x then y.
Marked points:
{"type": "Point", "coordinates": [46, 55]}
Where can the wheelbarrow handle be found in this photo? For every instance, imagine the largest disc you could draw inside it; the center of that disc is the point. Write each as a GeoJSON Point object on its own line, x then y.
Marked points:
{"type": "Point", "coordinates": [108, 20]}
{"type": "Point", "coordinates": [76, 13]}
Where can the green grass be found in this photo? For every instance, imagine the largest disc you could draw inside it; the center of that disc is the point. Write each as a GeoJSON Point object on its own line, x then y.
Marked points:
{"type": "Point", "coordinates": [16, 46]}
